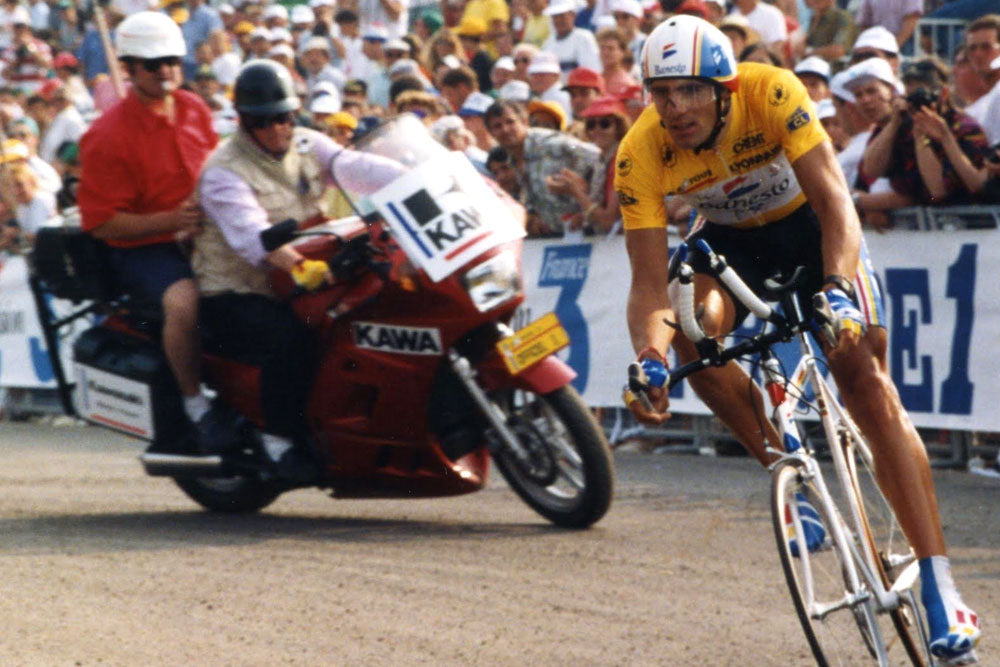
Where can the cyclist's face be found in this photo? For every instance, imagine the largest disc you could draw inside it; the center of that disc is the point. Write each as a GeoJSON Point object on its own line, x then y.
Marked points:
{"type": "Point", "coordinates": [687, 108]}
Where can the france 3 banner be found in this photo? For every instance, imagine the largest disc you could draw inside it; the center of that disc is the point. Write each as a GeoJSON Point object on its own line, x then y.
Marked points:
{"type": "Point", "coordinates": [24, 360]}
{"type": "Point", "coordinates": [942, 305]}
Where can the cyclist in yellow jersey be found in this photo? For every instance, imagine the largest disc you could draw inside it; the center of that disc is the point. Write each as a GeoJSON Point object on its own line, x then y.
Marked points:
{"type": "Point", "coordinates": [743, 145]}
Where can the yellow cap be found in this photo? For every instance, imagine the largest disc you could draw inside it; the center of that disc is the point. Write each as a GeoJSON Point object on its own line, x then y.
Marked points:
{"type": "Point", "coordinates": [471, 26]}
{"type": "Point", "coordinates": [14, 149]}
{"type": "Point", "coordinates": [243, 28]}
{"type": "Point", "coordinates": [341, 119]}
{"type": "Point", "coordinates": [552, 108]}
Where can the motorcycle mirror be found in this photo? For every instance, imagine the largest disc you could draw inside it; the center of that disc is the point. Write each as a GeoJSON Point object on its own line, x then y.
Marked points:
{"type": "Point", "coordinates": [279, 234]}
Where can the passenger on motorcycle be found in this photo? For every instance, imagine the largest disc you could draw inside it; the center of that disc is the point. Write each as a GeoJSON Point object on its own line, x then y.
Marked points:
{"type": "Point", "coordinates": [142, 158]}
{"type": "Point", "coordinates": [743, 146]}
{"type": "Point", "coordinates": [265, 173]}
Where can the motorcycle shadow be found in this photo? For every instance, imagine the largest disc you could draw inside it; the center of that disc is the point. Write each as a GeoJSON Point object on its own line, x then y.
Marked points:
{"type": "Point", "coordinates": [69, 534]}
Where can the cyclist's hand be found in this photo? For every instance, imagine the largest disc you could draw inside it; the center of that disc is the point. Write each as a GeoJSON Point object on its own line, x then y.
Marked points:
{"type": "Point", "coordinates": [839, 318]}
{"type": "Point", "coordinates": [646, 394]}
{"type": "Point", "coordinates": [311, 274]}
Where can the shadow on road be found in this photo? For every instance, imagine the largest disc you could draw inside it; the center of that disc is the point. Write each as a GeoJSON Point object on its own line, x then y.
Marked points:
{"type": "Point", "coordinates": [139, 531]}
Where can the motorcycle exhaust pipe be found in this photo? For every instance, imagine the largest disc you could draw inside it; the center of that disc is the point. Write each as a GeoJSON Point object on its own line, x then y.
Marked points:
{"type": "Point", "coordinates": [158, 464]}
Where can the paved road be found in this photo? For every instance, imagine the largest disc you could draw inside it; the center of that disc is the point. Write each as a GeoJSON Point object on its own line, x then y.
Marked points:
{"type": "Point", "coordinates": [101, 565]}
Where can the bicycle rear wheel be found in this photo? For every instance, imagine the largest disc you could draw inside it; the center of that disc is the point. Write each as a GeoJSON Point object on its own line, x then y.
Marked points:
{"type": "Point", "coordinates": [819, 582]}
{"type": "Point", "coordinates": [894, 557]}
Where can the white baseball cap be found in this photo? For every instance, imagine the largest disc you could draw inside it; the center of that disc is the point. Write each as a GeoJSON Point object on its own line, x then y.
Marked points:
{"type": "Point", "coordinates": [397, 45]}
{"type": "Point", "coordinates": [321, 3]}
{"type": "Point", "coordinates": [633, 7]}
{"type": "Point", "coordinates": [559, 7]}
{"type": "Point", "coordinates": [825, 109]}
{"type": "Point", "coordinates": [281, 50]}
{"type": "Point", "coordinates": [877, 37]}
{"type": "Point", "coordinates": [516, 91]}
{"type": "Point", "coordinates": [873, 68]}
{"type": "Point", "coordinates": [302, 14]}
{"type": "Point", "coordinates": [544, 63]}
{"type": "Point", "coordinates": [839, 88]}
{"type": "Point", "coordinates": [276, 12]}
{"type": "Point", "coordinates": [505, 63]}
{"type": "Point", "coordinates": [814, 65]}
{"type": "Point", "coordinates": [316, 44]}
{"type": "Point", "coordinates": [328, 102]}
{"type": "Point", "coordinates": [260, 32]}
{"type": "Point", "coordinates": [281, 35]}
{"type": "Point", "coordinates": [475, 104]}
{"type": "Point", "coordinates": [604, 21]}
{"type": "Point", "coordinates": [226, 8]}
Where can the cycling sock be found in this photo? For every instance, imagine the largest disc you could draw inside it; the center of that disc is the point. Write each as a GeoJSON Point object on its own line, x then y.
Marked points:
{"type": "Point", "coordinates": [954, 627]}
{"type": "Point", "coordinates": [196, 406]}
{"type": "Point", "coordinates": [275, 445]}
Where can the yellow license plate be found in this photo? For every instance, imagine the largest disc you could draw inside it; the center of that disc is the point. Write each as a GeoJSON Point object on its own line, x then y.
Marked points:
{"type": "Point", "coordinates": [533, 343]}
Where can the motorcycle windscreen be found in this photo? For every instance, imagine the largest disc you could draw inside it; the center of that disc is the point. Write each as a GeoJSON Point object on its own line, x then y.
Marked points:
{"type": "Point", "coordinates": [443, 214]}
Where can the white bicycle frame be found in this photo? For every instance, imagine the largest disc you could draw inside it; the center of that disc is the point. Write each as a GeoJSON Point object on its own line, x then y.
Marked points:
{"type": "Point", "coordinates": [784, 394]}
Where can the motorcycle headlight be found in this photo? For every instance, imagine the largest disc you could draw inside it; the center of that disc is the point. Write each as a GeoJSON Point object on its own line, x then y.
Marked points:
{"type": "Point", "coordinates": [493, 282]}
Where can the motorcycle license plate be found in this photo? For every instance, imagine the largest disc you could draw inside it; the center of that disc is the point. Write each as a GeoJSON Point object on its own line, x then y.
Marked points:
{"type": "Point", "coordinates": [533, 343]}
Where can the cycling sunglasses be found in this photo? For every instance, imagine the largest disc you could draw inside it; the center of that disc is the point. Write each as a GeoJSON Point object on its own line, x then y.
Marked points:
{"type": "Point", "coordinates": [154, 64]}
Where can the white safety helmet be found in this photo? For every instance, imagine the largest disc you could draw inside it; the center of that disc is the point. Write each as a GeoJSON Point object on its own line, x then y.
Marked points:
{"type": "Point", "coordinates": [149, 35]}
{"type": "Point", "coordinates": [687, 46]}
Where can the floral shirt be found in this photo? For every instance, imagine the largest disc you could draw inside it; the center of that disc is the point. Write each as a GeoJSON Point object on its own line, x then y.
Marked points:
{"type": "Point", "coordinates": [547, 152]}
{"type": "Point", "coordinates": [904, 176]}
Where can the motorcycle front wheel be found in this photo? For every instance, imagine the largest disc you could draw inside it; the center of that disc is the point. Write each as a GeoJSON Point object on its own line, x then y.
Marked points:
{"type": "Point", "coordinates": [568, 475]}
{"type": "Point", "coordinates": [233, 495]}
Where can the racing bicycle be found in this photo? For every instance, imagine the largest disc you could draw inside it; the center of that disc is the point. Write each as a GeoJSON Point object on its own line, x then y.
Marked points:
{"type": "Point", "coordinates": [854, 594]}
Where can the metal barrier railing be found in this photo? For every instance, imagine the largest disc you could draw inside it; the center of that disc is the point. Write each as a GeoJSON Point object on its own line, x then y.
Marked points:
{"type": "Point", "coordinates": [932, 36]}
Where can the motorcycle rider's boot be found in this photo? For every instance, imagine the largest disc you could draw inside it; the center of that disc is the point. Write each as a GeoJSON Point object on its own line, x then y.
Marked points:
{"type": "Point", "coordinates": [219, 430]}
{"type": "Point", "coordinates": [288, 462]}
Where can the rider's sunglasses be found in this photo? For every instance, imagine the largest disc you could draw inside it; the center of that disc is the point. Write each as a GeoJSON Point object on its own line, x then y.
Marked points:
{"type": "Point", "coordinates": [154, 64]}
{"type": "Point", "coordinates": [284, 118]}
{"type": "Point", "coordinates": [685, 96]}
{"type": "Point", "coordinates": [603, 123]}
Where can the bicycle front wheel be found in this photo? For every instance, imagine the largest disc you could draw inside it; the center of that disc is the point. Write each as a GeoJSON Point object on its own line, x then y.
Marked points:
{"type": "Point", "coordinates": [838, 621]}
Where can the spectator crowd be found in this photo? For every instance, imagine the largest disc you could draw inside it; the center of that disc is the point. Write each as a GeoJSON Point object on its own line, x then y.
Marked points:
{"type": "Point", "coordinates": [537, 93]}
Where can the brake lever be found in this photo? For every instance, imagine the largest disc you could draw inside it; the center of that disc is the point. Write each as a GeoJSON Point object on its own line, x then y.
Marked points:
{"type": "Point", "coordinates": [824, 318]}
{"type": "Point", "coordinates": [638, 384]}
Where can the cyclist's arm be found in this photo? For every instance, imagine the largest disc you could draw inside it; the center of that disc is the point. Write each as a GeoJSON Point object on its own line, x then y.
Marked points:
{"type": "Point", "coordinates": [648, 302]}
{"type": "Point", "coordinates": [822, 180]}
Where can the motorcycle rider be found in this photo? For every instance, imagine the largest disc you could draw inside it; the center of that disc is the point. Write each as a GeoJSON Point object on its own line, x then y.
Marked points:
{"type": "Point", "coordinates": [265, 173]}
{"type": "Point", "coordinates": [141, 162]}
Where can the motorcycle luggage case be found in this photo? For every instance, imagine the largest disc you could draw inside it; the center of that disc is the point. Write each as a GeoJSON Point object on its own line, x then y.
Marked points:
{"type": "Point", "coordinates": [124, 383]}
{"type": "Point", "coordinates": [72, 264]}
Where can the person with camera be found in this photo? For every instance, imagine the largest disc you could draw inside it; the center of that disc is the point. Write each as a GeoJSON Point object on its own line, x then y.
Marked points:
{"type": "Point", "coordinates": [912, 130]}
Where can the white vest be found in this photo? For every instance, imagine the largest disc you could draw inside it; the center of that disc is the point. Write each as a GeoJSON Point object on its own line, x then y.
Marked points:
{"type": "Point", "coordinates": [288, 188]}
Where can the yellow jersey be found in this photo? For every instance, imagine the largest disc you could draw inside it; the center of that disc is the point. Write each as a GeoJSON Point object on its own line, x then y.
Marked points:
{"type": "Point", "coordinates": [746, 179]}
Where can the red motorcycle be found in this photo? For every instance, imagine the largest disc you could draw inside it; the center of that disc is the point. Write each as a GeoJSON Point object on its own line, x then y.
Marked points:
{"type": "Point", "coordinates": [421, 379]}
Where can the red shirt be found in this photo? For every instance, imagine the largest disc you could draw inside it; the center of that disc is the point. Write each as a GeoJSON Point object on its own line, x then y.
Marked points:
{"type": "Point", "coordinates": [135, 161]}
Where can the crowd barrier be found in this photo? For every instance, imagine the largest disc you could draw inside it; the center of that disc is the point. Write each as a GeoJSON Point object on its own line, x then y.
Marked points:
{"type": "Point", "coordinates": [942, 304]}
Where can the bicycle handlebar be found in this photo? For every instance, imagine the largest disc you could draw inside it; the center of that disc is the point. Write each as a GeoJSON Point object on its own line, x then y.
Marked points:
{"type": "Point", "coordinates": [784, 328]}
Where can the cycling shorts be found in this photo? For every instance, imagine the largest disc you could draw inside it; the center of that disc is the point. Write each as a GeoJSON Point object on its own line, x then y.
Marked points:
{"type": "Point", "coordinates": [759, 253]}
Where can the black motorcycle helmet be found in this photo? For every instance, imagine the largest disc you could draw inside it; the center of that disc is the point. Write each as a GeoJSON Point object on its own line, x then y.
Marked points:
{"type": "Point", "coordinates": [264, 88]}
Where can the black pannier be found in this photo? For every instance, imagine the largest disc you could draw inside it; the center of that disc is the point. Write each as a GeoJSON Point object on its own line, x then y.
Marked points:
{"type": "Point", "coordinates": [73, 265]}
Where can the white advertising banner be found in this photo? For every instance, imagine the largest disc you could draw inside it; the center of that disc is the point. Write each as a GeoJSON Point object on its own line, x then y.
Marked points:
{"type": "Point", "coordinates": [942, 303]}
{"type": "Point", "coordinates": [24, 361]}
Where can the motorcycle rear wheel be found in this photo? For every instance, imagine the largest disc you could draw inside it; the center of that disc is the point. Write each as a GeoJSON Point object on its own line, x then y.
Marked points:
{"type": "Point", "coordinates": [570, 477]}
{"type": "Point", "coordinates": [231, 495]}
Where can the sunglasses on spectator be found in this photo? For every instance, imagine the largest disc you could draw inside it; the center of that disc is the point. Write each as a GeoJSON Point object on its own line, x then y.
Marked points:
{"type": "Point", "coordinates": [154, 64]}
{"type": "Point", "coordinates": [861, 56]}
{"type": "Point", "coordinates": [603, 123]}
{"type": "Point", "coordinates": [622, 16]}
{"type": "Point", "coordinates": [286, 118]}
{"type": "Point", "coordinates": [395, 55]}
{"type": "Point", "coordinates": [522, 59]}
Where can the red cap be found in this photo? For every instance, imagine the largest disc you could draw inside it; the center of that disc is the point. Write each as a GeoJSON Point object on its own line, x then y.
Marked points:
{"type": "Point", "coordinates": [695, 7]}
{"type": "Point", "coordinates": [633, 92]}
{"type": "Point", "coordinates": [49, 87]}
{"type": "Point", "coordinates": [584, 77]}
{"type": "Point", "coordinates": [65, 59]}
{"type": "Point", "coordinates": [605, 106]}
